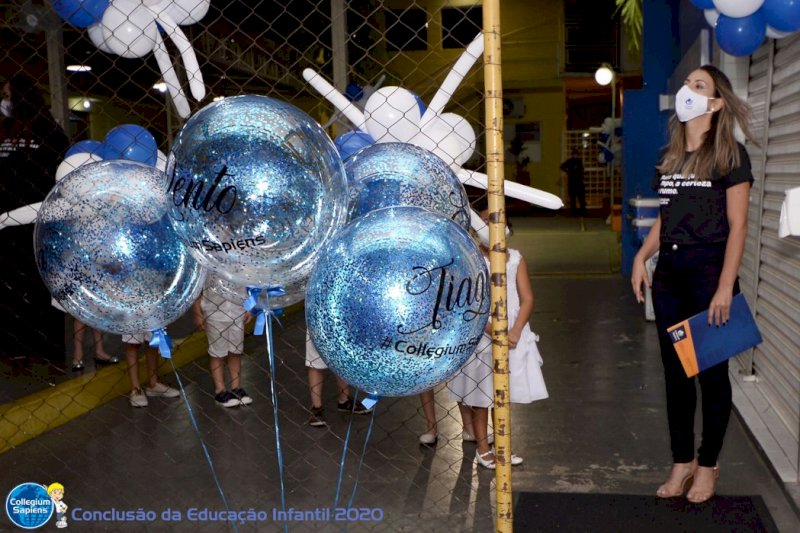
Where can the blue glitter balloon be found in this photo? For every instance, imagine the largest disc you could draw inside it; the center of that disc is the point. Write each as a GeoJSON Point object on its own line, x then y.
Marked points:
{"type": "Point", "coordinates": [108, 252]}
{"type": "Point", "coordinates": [399, 301]}
{"type": "Point", "coordinates": [395, 174]}
{"type": "Point", "coordinates": [256, 188]}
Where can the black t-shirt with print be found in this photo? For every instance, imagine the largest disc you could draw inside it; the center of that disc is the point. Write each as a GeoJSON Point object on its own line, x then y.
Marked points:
{"type": "Point", "coordinates": [695, 211]}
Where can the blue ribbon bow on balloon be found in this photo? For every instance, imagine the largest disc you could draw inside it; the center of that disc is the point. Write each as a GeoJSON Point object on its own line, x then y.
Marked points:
{"type": "Point", "coordinates": [252, 307]}
{"type": "Point", "coordinates": [161, 340]}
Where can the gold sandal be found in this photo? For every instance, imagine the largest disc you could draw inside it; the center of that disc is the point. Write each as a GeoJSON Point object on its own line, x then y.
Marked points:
{"type": "Point", "coordinates": [676, 490]}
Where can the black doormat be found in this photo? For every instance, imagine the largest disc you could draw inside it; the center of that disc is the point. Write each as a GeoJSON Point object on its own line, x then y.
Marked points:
{"type": "Point", "coordinates": [568, 512]}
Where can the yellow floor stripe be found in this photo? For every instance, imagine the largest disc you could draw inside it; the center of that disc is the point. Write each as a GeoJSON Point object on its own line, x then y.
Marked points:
{"type": "Point", "coordinates": [29, 417]}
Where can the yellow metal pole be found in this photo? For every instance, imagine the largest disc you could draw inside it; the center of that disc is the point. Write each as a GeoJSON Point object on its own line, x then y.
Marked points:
{"type": "Point", "coordinates": [493, 81]}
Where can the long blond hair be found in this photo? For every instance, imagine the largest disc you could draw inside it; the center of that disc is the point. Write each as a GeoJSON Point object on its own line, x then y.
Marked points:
{"type": "Point", "coordinates": [719, 150]}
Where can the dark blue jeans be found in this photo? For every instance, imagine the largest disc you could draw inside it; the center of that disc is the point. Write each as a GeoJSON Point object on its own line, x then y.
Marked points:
{"type": "Point", "coordinates": [685, 280]}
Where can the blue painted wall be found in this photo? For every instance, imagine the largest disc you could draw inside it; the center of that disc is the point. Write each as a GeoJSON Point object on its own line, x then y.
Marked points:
{"type": "Point", "coordinates": [670, 28]}
{"type": "Point", "coordinates": [644, 126]}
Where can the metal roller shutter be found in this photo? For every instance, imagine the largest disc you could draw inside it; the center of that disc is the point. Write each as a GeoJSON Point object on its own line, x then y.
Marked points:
{"type": "Point", "coordinates": [770, 273]}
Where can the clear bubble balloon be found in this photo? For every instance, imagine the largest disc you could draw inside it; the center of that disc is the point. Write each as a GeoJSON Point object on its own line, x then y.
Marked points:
{"type": "Point", "coordinates": [256, 188]}
{"type": "Point", "coordinates": [399, 301]}
{"type": "Point", "coordinates": [237, 294]}
{"type": "Point", "coordinates": [394, 174]}
{"type": "Point", "coordinates": [107, 250]}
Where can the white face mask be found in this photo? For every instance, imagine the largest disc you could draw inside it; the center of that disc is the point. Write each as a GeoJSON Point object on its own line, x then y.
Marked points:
{"type": "Point", "coordinates": [5, 107]}
{"type": "Point", "coordinates": [689, 104]}
{"type": "Point", "coordinates": [483, 235]}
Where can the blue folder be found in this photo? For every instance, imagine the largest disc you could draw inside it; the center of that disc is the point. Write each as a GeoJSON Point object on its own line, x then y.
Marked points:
{"type": "Point", "coordinates": [701, 346]}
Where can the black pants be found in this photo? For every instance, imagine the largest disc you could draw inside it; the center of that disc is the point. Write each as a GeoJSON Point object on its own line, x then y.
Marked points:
{"type": "Point", "coordinates": [579, 199]}
{"type": "Point", "coordinates": [684, 282]}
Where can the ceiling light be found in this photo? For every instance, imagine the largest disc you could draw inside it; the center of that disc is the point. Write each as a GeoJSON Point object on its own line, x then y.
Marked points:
{"type": "Point", "coordinates": [79, 68]}
{"type": "Point", "coordinates": [160, 87]}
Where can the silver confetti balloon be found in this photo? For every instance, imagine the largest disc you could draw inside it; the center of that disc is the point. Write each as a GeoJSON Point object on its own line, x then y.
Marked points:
{"type": "Point", "coordinates": [257, 188]}
{"type": "Point", "coordinates": [395, 174]}
{"type": "Point", "coordinates": [399, 301]}
{"type": "Point", "coordinates": [108, 252]}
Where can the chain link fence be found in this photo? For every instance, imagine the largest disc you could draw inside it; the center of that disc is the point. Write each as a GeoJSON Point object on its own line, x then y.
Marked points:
{"type": "Point", "coordinates": [67, 413]}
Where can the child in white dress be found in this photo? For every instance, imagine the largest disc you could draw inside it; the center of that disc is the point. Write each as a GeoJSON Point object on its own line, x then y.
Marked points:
{"type": "Point", "coordinates": [472, 387]}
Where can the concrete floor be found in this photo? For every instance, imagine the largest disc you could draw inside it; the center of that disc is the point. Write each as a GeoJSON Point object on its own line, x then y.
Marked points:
{"type": "Point", "coordinates": [603, 430]}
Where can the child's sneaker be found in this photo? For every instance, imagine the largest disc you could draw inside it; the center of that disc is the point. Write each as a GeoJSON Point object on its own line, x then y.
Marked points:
{"type": "Point", "coordinates": [227, 399]}
{"type": "Point", "coordinates": [162, 390]}
{"type": "Point", "coordinates": [317, 418]}
{"type": "Point", "coordinates": [242, 395]}
{"type": "Point", "coordinates": [137, 398]}
{"type": "Point", "coordinates": [360, 408]}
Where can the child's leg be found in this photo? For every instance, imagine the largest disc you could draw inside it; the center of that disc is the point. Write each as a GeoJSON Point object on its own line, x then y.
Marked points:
{"type": "Point", "coordinates": [151, 354]}
{"type": "Point", "coordinates": [466, 418]}
{"type": "Point", "coordinates": [215, 364]}
{"type": "Point", "coordinates": [235, 369]}
{"type": "Point", "coordinates": [429, 410]}
{"type": "Point", "coordinates": [315, 380]}
{"type": "Point", "coordinates": [132, 359]}
{"type": "Point", "coordinates": [342, 390]}
{"type": "Point", "coordinates": [78, 330]}
{"type": "Point", "coordinates": [99, 347]}
{"type": "Point", "coordinates": [480, 424]}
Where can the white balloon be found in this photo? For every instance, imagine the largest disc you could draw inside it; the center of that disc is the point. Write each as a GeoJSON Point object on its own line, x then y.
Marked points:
{"type": "Point", "coordinates": [513, 189]}
{"type": "Point", "coordinates": [188, 11]}
{"type": "Point", "coordinates": [450, 84]}
{"type": "Point", "coordinates": [171, 78]}
{"type": "Point", "coordinates": [438, 139]}
{"type": "Point", "coordinates": [339, 101]}
{"type": "Point", "coordinates": [129, 28]}
{"type": "Point", "coordinates": [171, 28]}
{"type": "Point", "coordinates": [738, 8]}
{"type": "Point", "coordinates": [74, 161]}
{"type": "Point", "coordinates": [463, 132]}
{"type": "Point", "coordinates": [98, 38]}
{"type": "Point", "coordinates": [161, 161]}
{"type": "Point", "coordinates": [772, 33]}
{"type": "Point", "coordinates": [20, 216]}
{"type": "Point", "coordinates": [712, 15]}
{"type": "Point", "coordinates": [392, 115]}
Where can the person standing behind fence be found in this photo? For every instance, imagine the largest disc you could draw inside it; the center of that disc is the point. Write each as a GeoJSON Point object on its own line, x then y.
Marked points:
{"type": "Point", "coordinates": [473, 386]}
{"type": "Point", "coordinates": [223, 322]}
{"type": "Point", "coordinates": [703, 180]}
{"type": "Point", "coordinates": [32, 145]}
{"type": "Point", "coordinates": [576, 188]}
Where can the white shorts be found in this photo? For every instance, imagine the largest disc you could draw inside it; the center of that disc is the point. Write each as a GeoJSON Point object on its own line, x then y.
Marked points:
{"type": "Point", "coordinates": [313, 359]}
{"type": "Point", "coordinates": [137, 338]}
{"type": "Point", "coordinates": [224, 325]}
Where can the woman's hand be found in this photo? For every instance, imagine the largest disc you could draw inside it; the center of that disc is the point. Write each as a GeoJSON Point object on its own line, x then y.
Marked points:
{"type": "Point", "coordinates": [719, 310]}
{"type": "Point", "coordinates": [639, 277]}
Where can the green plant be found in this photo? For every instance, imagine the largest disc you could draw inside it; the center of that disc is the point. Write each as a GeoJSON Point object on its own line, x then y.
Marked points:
{"type": "Point", "coordinates": [632, 21]}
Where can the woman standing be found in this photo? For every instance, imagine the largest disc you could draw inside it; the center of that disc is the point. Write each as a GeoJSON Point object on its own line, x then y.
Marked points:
{"type": "Point", "coordinates": [703, 181]}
